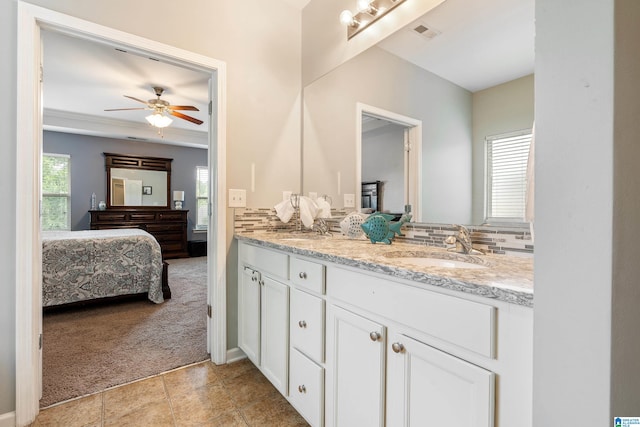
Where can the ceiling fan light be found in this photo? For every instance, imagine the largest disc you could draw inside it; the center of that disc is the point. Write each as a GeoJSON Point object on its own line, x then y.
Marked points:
{"type": "Point", "coordinates": [158, 120]}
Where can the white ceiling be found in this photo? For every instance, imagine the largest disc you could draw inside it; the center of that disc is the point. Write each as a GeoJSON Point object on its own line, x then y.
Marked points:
{"type": "Point", "coordinates": [481, 44]}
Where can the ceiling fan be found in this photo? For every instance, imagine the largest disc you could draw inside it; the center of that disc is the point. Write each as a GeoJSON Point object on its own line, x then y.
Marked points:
{"type": "Point", "coordinates": [159, 107]}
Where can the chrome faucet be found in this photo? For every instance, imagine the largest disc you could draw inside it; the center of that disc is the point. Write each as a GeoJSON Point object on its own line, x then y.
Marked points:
{"type": "Point", "coordinates": [321, 227]}
{"type": "Point", "coordinates": [462, 242]}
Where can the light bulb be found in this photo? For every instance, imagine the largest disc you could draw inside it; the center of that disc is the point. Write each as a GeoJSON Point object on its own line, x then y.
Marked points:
{"type": "Point", "coordinates": [346, 17]}
{"type": "Point", "coordinates": [363, 5]}
{"type": "Point", "coordinates": [159, 120]}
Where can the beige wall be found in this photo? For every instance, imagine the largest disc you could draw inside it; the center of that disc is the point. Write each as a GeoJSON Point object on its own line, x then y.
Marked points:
{"type": "Point", "coordinates": [500, 109]}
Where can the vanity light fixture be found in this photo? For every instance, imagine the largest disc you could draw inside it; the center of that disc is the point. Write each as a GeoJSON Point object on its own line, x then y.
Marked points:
{"type": "Point", "coordinates": [369, 11]}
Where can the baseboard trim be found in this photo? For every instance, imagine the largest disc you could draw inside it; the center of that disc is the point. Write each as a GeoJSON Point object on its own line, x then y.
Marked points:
{"type": "Point", "coordinates": [8, 419]}
{"type": "Point", "coordinates": [233, 355]}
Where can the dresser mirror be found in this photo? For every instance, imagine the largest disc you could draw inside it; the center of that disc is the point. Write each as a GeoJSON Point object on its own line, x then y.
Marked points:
{"type": "Point", "coordinates": [137, 181]}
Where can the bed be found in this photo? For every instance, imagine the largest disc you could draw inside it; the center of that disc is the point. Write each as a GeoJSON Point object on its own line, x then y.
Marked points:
{"type": "Point", "coordinates": [96, 264]}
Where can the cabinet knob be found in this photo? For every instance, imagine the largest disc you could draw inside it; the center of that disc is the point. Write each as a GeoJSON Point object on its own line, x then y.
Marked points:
{"type": "Point", "coordinates": [302, 388]}
{"type": "Point", "coordinates": [254, 278]}
{"type": "Point", "coordinates": [261, 282]}
{"type": "Point", "coordinates": [375, 336]}
{"type": "Point", "coordinates": [397, 347]}
{"type": "Point", "coordinates": [302, 275]}
{"type": "Point", "coordinates": [302, 324]}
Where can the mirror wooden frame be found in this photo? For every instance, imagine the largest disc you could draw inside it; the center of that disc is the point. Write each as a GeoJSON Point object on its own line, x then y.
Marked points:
{"type": "Point", "coordinates": [147, 163]}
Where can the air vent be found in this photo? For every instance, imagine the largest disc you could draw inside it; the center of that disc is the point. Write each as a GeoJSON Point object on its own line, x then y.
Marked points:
{"type": "Point", "coordinates": [425, 31]}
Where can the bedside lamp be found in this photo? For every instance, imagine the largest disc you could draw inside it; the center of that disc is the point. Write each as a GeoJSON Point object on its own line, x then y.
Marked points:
{"type": "Point", "coordinates": [178, 198]}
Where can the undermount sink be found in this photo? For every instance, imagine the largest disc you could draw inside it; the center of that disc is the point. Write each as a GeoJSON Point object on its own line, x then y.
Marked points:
{"type": "Point", "coordinates": [439, 259]}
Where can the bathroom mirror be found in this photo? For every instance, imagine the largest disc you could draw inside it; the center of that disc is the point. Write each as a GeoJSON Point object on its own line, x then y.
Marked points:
{"type": "Point", "coordinates": [137, 181]}
{"type": "Point", "coordinates": [454, 120]}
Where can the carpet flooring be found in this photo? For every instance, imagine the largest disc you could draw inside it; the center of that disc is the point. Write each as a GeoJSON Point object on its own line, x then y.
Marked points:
{"type": "Point", "coordinates": [89, 349]}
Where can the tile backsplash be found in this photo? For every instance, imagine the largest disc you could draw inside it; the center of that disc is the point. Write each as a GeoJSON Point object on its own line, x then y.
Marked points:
{"type": "Point", "coordinates": [512, 241]}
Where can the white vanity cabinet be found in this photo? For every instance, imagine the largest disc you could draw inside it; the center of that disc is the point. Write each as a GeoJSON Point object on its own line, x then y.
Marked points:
{"type": "Point", "coordinates": [263, 312]}
{"type": "Point", "coordinates": [356, 377]}
{"type": "Point", "coordinates": [350, 347]}
{"type": "Point", "coordinates": [307, 332]}
{"type": "Point", "coordinates": [428, 387]}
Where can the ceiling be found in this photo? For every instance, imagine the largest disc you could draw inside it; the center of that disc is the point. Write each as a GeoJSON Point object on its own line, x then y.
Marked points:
{"type": "Point", "coordinates": [479, 44]}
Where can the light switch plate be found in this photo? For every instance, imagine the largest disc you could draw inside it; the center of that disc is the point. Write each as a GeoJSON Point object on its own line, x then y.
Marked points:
{"type": "Point", "coordinates": [237, 198]}
{"type": "Point", "coordinates": [349, 200]}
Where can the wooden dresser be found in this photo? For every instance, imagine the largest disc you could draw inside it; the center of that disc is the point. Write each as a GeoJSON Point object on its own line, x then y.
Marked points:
{"type": "Point", "coordinates": [168, 226]}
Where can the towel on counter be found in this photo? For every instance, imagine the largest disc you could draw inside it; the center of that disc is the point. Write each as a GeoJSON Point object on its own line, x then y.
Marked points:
{"type": "Point", "coordinates": [284, 210]}
{"type": "Point", "coordinates": [308, 211]}
{"type": "Point", "coordinates": [324, 208]}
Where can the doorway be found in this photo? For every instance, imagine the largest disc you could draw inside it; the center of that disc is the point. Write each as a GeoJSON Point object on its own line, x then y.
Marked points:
{"type": "Point", "coordinates": [31, 21]}
{"type": "Point", "coordinates": [400, 137]}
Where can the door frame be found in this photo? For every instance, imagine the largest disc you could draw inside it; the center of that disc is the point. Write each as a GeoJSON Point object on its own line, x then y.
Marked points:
{"type": "Point", "coordinates": [29, 124]}
{"type": "Point", "coordinates": [412, 164]}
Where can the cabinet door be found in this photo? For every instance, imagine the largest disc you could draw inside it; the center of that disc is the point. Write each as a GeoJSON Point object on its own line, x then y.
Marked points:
{"type": "Point", "coordinates": [426, 387]}
{"type": "Point", "coordinates": [355, 365]}
{"type": "Point", "coordinates": [275, 333]}
{"type": "Point", "coordinates": [249, 314]}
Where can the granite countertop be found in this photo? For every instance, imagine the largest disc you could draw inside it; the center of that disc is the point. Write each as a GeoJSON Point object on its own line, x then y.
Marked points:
{"type": "Point", "coordinates": [504, 278]}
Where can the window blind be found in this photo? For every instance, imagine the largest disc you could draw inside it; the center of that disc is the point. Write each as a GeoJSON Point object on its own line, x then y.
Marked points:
{"type": "Point", "coordinates": [507, 157]}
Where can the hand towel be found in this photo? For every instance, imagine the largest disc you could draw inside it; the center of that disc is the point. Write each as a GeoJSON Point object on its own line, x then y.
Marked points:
{"type": "Point", "coordinates": [308, 211]}
{"type": "Point", "coordinates": [324, 208]}
{"type": "Point", "coordinates": [284, 210]}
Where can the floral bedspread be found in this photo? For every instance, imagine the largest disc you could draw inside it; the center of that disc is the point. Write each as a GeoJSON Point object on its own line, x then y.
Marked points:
{"type": "Point", "coordinates": [91, 264]}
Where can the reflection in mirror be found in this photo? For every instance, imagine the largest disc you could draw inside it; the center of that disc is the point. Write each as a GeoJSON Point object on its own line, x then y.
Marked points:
{"type": "Point", "coordinates": [382, 80]}
{"type": "Point", "coordinates": [137, 181]}
{"type": "Point", "coordinates": [127, 187]}
{"type": "Point", "coordinates": [493, 94]}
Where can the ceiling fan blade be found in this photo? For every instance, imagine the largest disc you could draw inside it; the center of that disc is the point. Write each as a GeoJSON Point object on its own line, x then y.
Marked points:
{"type": "Point", "coordinates": [122, 109]}
{"type": "Point", "coordinates": [185, 117]}
{"type": "Point", "coordinates": [182, 107]}
{"type": "Point", "coordinates": [135, 99]}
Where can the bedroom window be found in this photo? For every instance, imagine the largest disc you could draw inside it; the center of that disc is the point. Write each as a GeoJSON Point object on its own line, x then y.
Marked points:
{"type": "Point", "coordinates": [202, 197]}
{"type": "Point", "coordinates": [506, 166]}
{"type": "Point", "coordinates": [56, 192]}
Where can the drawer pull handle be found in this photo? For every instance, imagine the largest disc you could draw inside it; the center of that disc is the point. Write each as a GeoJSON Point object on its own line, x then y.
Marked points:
{"type": "Point", "coordinates": [261, 282]}
{"type": "Point", "coordinates": [302, 388]}
{"type": "Point", "coordinates": [302, 275]}
{"type": "Point", "coordinates": [302, 324]}
{"type": "Point", "coordinates": [254, 278]}
{"type": "Point", "coordinates": [375, 336]}
{"type": "Point", "coordinates": [397, 347]}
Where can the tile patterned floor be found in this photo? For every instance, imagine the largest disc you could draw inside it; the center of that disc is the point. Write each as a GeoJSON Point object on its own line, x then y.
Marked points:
{"type": "Point", "coordinates": [203, 394]}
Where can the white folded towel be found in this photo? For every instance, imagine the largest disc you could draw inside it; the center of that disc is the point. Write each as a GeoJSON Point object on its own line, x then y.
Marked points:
{"type": "Point", "coordinates": [308, 211]}
{"type": "Point", "coordinates": [284, 210]}
{"type": "Point", "coordinates": [324, 208]}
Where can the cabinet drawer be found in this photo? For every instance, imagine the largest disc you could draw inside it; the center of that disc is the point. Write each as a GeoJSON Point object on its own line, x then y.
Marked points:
{"type": "Point", "coordinates": [265, 260]}
{"type": "Point", "coordinates": [467, 324]}
{"type": "Point", "coordinates": [170, 216]}
{"type": "Point", "coordinates": [110, 217]}
{"type": "Point", "coordinates": [306, 385]}
{"type": "Point", "coordinates": [154, 228]}
{"type": "Point", "coordinates": [307, 324]}
{"type": "Point", "coordinates": [142, 216]}
{"type": "Point", "coordinates": [307, 275]}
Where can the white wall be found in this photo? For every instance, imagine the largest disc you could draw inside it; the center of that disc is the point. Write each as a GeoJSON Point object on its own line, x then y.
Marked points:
{"type": "Point", "coordinates": [586, 319]}
{"type": "Point", "coordinates": [500, 109]}
{"type": "Point", "coordinates": [8, 11]}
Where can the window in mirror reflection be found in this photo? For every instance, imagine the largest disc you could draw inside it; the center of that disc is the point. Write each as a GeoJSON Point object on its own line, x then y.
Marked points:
{"type": "Point", "coordinates": [506, 167]}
